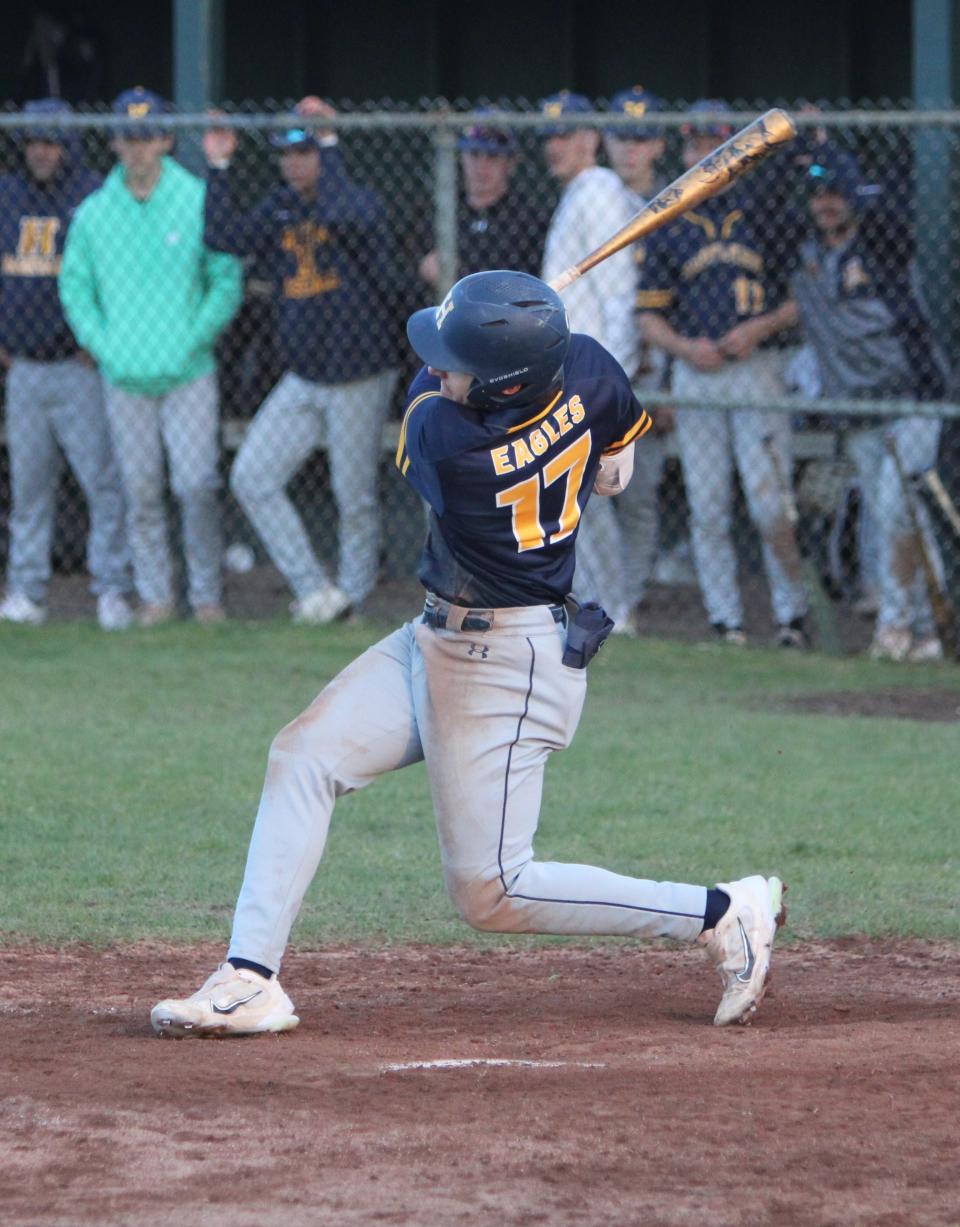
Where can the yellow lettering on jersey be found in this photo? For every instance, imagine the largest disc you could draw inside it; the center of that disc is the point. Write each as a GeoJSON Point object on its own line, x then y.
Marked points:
{"type": "Point", "coordinates": [571, 462]}
{"type": "Point", "coordinates": [550, 431]}
{"type": "Point", "coordinates": [563, 421]}
{"type": "Point", "coordinates": [36, 254]}
{"type": "Point", "coordinates": [522, 455]}
{"type": "Point", "coordinates": [538, 441]}
{"type": "Point", "coordinates": [577, 411]}
{"type": "Point", "coordinates": [501, 460]}
{"type": "Point", "coordinates": [524, 500]}
{"type": "Point", "coordinates": [722, 253]}
{"type": "Point", "coordinates": [307, 281]}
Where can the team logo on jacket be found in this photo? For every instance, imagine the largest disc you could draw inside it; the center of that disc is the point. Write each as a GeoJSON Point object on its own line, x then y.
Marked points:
{"type": "Point", "coordinates": [855, 276]}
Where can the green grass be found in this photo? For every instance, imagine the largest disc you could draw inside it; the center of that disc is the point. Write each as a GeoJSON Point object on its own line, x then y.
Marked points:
{"type": "Point", "coordinates": [130, 767]}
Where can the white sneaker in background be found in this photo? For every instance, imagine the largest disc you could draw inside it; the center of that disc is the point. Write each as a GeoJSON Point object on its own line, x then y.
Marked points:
{"type": "Point", "coordinates": [17, 607]}
{"type": "Point", "coordinates": [113, 612]}
{"type": "Point", "coordinates": [891, 643]}
{"type": "Point", "coordinates": [741, 945]}
{"type": "Point", "coordinates": [926, 651]}
{"type": "Point", "coordinates": [321, 606]}
{"type": "Point", "coordinates": [230, 1002]}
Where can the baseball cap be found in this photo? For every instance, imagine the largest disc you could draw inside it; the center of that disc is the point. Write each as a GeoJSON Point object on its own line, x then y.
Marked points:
{"type": "Point", "coordinates": [706, 106]}
{"type": "Point", "coordinates": [639, 103]}
{"type": "Point", "coordinates": [485, 137]}
{"type": "Point", "coordinates": [295, 138]}
{"type": "Point", "coordinates": [140, 103]}
{"type": "Point", "coordinates": [834, 171]}
{"type": "Point", "coordinates": [46, 106]}
{"type": "Point", "coordinates": [561, 104]}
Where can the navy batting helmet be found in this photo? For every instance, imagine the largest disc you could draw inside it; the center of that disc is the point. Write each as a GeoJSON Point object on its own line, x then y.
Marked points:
{"type": "Point", "coordinates": [509, 330]}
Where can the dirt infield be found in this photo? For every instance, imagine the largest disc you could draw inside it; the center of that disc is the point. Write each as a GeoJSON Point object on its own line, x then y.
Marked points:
{"type": "Point", "coordinates": [616, 1102]}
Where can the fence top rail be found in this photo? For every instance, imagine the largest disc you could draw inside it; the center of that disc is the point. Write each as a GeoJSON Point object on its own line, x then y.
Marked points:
{"type": "Point", "coordinates": [449, 120]}
{"type": "Point", "coordinates": [826, 406]}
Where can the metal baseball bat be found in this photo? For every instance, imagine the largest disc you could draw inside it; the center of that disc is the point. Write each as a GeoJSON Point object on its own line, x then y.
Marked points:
{"type": "Point", "coordinates": [821, 606]}
{"type": "Point", "coordinates": [931, 479]}
{"type": "Point", "coordinates": [710, 175]}
{"type": "Point", "coordinates": [943, 612]}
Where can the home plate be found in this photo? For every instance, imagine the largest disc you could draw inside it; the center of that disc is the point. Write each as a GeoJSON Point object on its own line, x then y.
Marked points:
{"type": "Point", "coordinates": [402, 1066]}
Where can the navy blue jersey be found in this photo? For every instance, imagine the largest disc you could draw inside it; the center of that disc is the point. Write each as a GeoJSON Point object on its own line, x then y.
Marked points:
{"type": "Point", "coordinates": [507, 488]}
{"type": "Point", "coordinates": [710, 270]}
{"type": "Point", "coordinates": [330, 261]}
{"type": "Point", "coordinates": [33, 226]}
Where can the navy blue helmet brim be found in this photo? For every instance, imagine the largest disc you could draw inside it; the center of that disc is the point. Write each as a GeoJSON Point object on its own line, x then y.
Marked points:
{"type": "Point", "coordinates": [427, 341]}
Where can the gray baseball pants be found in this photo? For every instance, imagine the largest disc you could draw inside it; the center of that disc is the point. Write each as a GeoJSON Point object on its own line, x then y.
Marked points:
{"type": "Point", "coordinates": [485, 710]}
{"type": "Point", "coordinates": [904, 602]}
{"type": "Point", "coordinates": [183, 425]}
{"type": "Point", "coordinates": [296, 418]}
{"type": "Point", "coordinates": [711, 441]}
{"type": "Point", "coordinates": [52, 406]}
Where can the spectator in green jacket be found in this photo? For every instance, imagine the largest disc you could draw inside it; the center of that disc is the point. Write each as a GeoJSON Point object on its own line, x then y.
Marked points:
{"type": "Point", "coordinates": [148, 300]}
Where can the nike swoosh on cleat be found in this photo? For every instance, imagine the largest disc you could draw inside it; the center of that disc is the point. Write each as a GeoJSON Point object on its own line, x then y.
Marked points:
{"type": "Point", "coordinates": [234, 1005]}
{"type": "Point", "coordinates": [749, 957]}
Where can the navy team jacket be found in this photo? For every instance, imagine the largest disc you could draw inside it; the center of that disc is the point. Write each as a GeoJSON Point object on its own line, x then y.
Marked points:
{"type": "Point", "coordinates": [33, 225]}
{"type": "Point", "coordinates": [330, 262]}
{"type": "Point", "coordinates": [506, 489]}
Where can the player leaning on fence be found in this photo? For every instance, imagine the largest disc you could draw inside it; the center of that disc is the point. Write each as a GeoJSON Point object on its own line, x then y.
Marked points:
{"type": "Point", "coordinates": [324, 241]}
{"type": "Point", "coordinates": [54, 399]}
{"type": "Point", "coordinates": [859, 302]}
{"type": "Point", "coordinates": [148, 301]}
{"type": "Point", "coordinates": [710, 298]}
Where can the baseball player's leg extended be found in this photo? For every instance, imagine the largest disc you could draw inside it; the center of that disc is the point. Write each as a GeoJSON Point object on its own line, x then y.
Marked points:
{"type": "Point", "coordinates": [488, 721]}
{"type": "Point", "coordinates": [360, 726]}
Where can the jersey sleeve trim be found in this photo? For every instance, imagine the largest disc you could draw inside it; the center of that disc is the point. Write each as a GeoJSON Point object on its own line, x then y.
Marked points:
{"type": "Point", "coordinates": [636, 431]}
{"type": "Point", "coordinates": [402, 459]}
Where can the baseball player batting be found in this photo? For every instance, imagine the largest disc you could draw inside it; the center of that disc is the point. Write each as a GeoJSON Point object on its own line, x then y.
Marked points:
{"type": "Point", "coordinates": [509, 428]}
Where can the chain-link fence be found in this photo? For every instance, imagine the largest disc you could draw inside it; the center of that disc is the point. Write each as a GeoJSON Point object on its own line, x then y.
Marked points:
{"type": "Point", "coordinates": [224, 369]}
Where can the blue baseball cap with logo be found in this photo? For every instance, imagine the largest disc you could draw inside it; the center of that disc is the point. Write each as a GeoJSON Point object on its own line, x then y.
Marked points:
{"type": "Point", "coordinates": [835, 171]}
{"type": "Point", "coordinates": [46, 106]}
{"type": "Point", "coordinates": [295, 138]}
{"type": "Point", "coordinates": [559, 106]}
{"type": "Point", "coordinates": [486, 136]}
{"type": "Point", "coordinates": [638, 103]}
{"type": "Point", "coordinates": [706, 106]}
{"type": "Point", "coordinates": [143, 104]}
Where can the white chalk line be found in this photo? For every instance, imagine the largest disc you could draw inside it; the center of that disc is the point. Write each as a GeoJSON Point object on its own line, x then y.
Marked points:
{"type": "Point", "coordinates": [470, 1062]}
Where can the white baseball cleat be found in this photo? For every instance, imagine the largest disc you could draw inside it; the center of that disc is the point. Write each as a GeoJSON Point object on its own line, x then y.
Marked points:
{"type": "Point", "coordinates": [231, 1002]}
{"type": "Point", "coordinates": [741, 945]}
{"type": "Point", "coordinates": [113, 612]}
{"type": "Point", "coordinates": [321, 606]}
{"type": "Point", "coordinates": [17, 607]}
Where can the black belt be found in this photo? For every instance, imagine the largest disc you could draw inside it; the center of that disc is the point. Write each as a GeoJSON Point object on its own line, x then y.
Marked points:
{"type": "Point", "coordinates": [475, 621]}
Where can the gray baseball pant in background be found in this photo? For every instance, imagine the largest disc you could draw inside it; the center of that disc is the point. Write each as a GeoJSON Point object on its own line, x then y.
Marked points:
{"type": "Point", "coordinates": [183, 423]}
{"type": "Point", "coordinates": [711, 441]}
{"type": "Point", "coordinates": [298, 417]}
{"type": "Point", "coordinates": [52, 406]}
{"type": "Point", "coordinates": [903, 599]}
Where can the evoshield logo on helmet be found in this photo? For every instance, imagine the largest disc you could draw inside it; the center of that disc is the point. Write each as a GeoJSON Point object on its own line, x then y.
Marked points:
{"type": "Point", "coordinates": [444, 310]}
